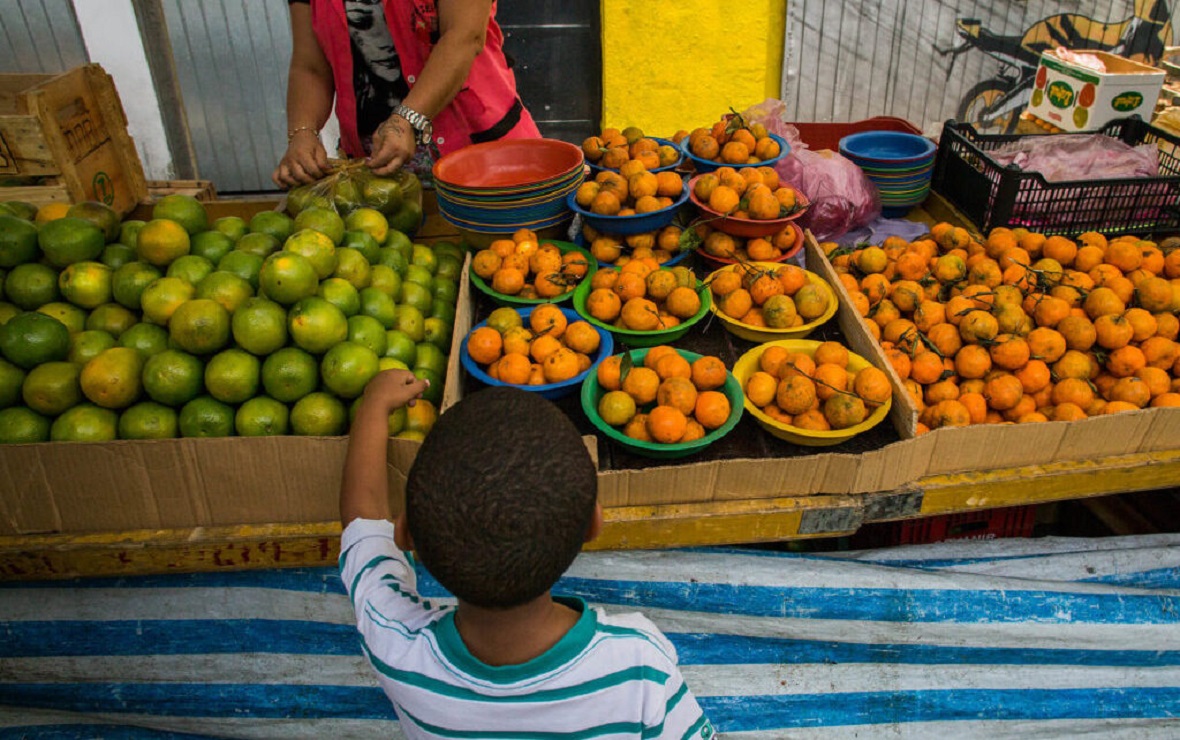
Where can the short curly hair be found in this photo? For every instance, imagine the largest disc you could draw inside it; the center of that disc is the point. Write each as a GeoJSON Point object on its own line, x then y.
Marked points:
{"type": "Point", "coordinates": [500, 496]}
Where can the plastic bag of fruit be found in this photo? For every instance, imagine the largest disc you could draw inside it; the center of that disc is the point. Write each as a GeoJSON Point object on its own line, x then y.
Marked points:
{"type": "Point", "coordinates": [352, 185]}
{"type": "Point", "coordinates": [842, 196]}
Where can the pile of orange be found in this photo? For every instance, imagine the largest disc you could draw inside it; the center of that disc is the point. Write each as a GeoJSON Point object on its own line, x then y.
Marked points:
{"type": "Point", "coordinates": [733, 141]}
{"type": "Point", "coordinates": [816, 392]}
{"type": "Point", "coordinates": [523, 267]}
{"type": "Point", "coordinates": [781, 297]}
{"type": "Point", "coordinates": [1022, 327]}
{"type": "Point", "coordinates": [642, 296]}
{"type": "Point", "coordinates": [667, 399]}
{"type": "Point", "coordinates": [630, 191]}
{"type": "Point", "coordinates": [747, 192]}
{"type": "Point", "coordinates": [550, 349]}
{"type": "Point", "coordinates": [614, 148]}
{"type": "Point", "coordinates": [717, 243]}
{"type": "Point", "coordinates": [619, 249]}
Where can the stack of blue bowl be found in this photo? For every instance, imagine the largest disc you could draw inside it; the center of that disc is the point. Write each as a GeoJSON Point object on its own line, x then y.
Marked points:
{"type": "Point", "coordinates": [501, 186]}
{"type": "Point", "coordinates": [899, 164]}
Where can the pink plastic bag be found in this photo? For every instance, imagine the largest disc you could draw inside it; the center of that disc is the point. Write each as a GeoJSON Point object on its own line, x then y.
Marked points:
{"type": "Point", "coordinates": [842, 196]}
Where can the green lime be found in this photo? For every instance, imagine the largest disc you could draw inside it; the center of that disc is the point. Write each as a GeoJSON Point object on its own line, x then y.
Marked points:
{"type": "Point", "coordinates": [392, 258]}
{"type": "Point", "coordinates": [434, 391]}
{"type": "Point", "coordinates": [367, 332]}
{"type": "Point", "coordinates": [263, 245]}
{"type": "Point", "coordinates": [319, 415]}
{"type": "Point", "coordinates": [162, 240]}
{"type": "Point", "coordinates": [129, 232]}
{"type": "Point", "coordinates": [128, 282]}
{"type": "Point", "coordinates": [113, 378]}
{"type": "Point", "coordinates": [261, 417]}
{"type": "Point", "coordinates": [400, 242]}
{"type": "Point", "coordinates": [408, 218]}
{"type": "Point", "coordinates": [86, 284]}
{"type": "Point", "coordinates": [449, 268]}
{"type": "Point", "coordinates": [232, 376]}
{"type": "Point", "coordinates": [85, 423]}
{"type": "Point", "coordinates": [226, 288]}
{"type": "Point", "coordinates": [410, 321]}
{"type": "Point", "coordinates": [353, 267]}
{"type": "Point", "coordinates": [163, 296]}
{"type": "Point", "coordinates": [260, 326]}
{"type": "Point", "coordinates": [378, 305]}
{"type": "Point", "coordinates": [31, 338]}
{"type": "Point", "coordinates": [318, 248]}
{"type": "Point", "coordinates": [437, 332]}
{"type": "Point", "coordinates": [52, 387]}
{"type": "Point", "coordinates": [200, 326]}
{"type": "Point", "coordinates": [323, 220]}
{"type": "Point", "coordinates": [420, 275]}
{"type": "Point", "coordinates": [443, 310]}
{"type": "Point", "coordinates": [20, 425]}
{"type": "Point", "coordinates": [428, 356]}
{"type": "Point", "coordinates": [341, 294]}
{"type": "Point", "coordinates": [445, 290]}
{"type": "Point", "coordinates": [243, 264]}
{"type": "Point", "coordinates": [148, 420]}
{"type": "Point", "coordinates": [418, 296]}
{"type": "Point", "coordinates": [18, 241]}
{"type": "Point", "coordinates": [173, 377]}
{"type": "Point", "coordinates": [73, 317]}
{"type": "Point", "coordinates": [368, 220]}
{"type": "Point", "coordinates": [99, 214]}
{"type": "Point", "coordinates": [273, 223]}
{"type": "Point", "coordinates": [22, 209]}
{"type": "Point", "coordinates": [30, 286]}
{"type": "Point", "coordinates": [397, 421]}
{"type": "Point", "coordinates": [386, 280]}
{"type": "Point", "coordinates": [423, 256]}
{"type": "Point", "coordinates": [290, 374]}
{"type": "Point", "coordinates": [11, 380]}
{"type": "Point", "coordinates": [504, 318]}
{"type": "Point", "coordinates": [86, 345]}
{"type": "Point", "coordinates": [111, 318]}
{"type": "Point", "coordinates": [450, 250]}
{"type": "Point", "coordinates": [388, 363]}
{"type": "Point", "coordinates": [235, 227]}
{"type": "Point", "coordinates": [212, 245]}
{"type": "Point", "coordinates": [383, 194]}
{"type": "Point", "coordinates": [184, 210]}
{"type": "Point", "coordinates": [347, 368]}
{"type": "Point", "coordinates": [116, 255]}
{"type": "Point", "coordinates": [316, 325]}
{"type": "Point", "coordinates": [148, 339]}
{"type": "Point", "coordinates": [287, 278]}
{"type": "Point", "coordinates": [190, 268]}
{"type": "Point", "coordinates": [206, 417]}
{"type": "Point", "coordinates": [362, 242]}
{"type": "Point", "coordinates": [7, 311]}
{"type": "Point", "coordinates": [401, 347]}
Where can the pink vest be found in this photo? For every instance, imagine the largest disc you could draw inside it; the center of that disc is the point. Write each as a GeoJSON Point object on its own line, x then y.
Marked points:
{"type": "Point", "coordinates": [487, 104]}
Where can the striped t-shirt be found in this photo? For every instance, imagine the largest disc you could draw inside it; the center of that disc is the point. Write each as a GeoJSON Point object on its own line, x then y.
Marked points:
{"type": "Point", "coordinates": [609, 677]}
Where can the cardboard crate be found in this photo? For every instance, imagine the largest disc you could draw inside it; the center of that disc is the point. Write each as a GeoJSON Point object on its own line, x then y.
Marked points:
{"type": "Point", "coordinates": [63, 138]}
{"type": "Point", "coordinates": [1075, 98]}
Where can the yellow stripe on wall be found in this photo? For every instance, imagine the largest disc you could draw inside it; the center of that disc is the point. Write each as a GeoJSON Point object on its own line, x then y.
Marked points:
{"type": "Point", "coordinates": [678, 65]}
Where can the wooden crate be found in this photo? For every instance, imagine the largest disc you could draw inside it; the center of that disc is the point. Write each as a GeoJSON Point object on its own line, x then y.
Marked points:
{"type": "Point", "coordinates": [63, 138]}
{"type": "Point", "coordinates": [202, 190]}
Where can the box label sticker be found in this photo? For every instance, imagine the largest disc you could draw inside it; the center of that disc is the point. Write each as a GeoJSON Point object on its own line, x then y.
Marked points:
{"type": "Point", "coordinates": [1060, 94]}
{"type": "Point", "coordinates": [103, 187]}
{"type": "Point", "coordinates": [1127, 101]}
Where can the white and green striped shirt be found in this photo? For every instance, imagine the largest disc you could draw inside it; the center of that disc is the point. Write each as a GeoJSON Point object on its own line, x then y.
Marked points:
{"type": "Point", "coordinates": [610, 677]}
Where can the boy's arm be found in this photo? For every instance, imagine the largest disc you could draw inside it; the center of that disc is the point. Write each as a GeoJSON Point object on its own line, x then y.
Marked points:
{"type": "Point", "coordinates": [364, 492]}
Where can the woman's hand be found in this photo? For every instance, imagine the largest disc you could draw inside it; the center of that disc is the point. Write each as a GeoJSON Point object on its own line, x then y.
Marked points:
{"type": "Point", "coordinates": [306, 161]}
{"type": "Point", "coordinates": [394, 143]}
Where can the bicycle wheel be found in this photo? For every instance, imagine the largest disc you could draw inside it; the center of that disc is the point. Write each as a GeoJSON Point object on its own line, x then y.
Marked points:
{"type": "Point", "coordinates": [983, 96]}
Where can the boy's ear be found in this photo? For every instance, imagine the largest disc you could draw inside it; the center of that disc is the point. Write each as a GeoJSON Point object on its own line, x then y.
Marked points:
{"type": "Point", "coordinates": [401, 533]}
{"type": "Point", "coordinates": [595, 527]}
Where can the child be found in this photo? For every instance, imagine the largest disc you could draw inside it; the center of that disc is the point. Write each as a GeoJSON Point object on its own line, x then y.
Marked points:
{"type": "Point", "coordinates": [499, 500]}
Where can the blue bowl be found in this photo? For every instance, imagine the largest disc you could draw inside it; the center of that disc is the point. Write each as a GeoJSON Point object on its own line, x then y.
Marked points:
{"type": "Point", "coordinates": [506, 227]}
{"type": "Point", "coordinates": [887, 147]}
{"type": "Point", "coordinates": [508, 214]}
{"type": "Point", "coordinates": [606, 347]}
{"type": "Point", "coordinates": [595, 168]}
{"type": "Point", "coordinates": [625, 225]}
{"type": "Point", "coordinates": [707, 165]}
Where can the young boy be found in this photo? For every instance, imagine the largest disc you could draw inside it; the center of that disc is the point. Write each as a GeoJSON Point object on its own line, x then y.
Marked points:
{"type": "Point", "coordinates": [499, 500]}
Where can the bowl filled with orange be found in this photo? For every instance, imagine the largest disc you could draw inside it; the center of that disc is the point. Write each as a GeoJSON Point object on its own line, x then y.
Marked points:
{"type": "Point", "coordinates": [718, 248]}
{"type": "Point", "coordinates": [612, 148]}
{"type": "Point", "coordinates": [746, 203]}
{"type": "Point", "coordinates": [642, 304]}
{"type": "Point", "coordinates": [764, 301]}
{"type": "Point", "coordinates": [734, 142]}
{"type": "Point", "coordinates": [522, 270]}
{"type": "Point", "coordinates": [812, 393]}
{"type": "Point", "coordinates": [662, 402]}
{"type": "Point", "coordinates": [545, 349]}
{"type": "Point", "coordinates": [630, 201]}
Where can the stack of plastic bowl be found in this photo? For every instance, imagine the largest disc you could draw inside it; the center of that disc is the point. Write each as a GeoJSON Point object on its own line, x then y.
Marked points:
{"type": "Point", "coordinates": [899, 164]}
{"type": "Point", "coordinates": [495, 188]}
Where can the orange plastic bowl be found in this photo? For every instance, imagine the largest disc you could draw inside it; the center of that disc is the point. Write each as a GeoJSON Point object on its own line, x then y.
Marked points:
{"type": "Point", "coordinates": [747, 227]}
{"type": "Point", "coordinates": [508, 163]}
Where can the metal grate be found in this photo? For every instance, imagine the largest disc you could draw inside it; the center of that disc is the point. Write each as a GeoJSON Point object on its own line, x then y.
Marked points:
{"type": "Point", "coordinates": [39, 36]}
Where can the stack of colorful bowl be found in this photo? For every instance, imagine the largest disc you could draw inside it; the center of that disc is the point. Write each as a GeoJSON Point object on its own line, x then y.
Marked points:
{"type": "Point", "coordinates": [495, 188]}
{"type": "Point", "coordinates": [899, 164]}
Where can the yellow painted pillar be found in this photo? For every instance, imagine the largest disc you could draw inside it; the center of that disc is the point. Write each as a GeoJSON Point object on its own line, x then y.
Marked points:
{"type": "Point", "coordinates": [678, 65]}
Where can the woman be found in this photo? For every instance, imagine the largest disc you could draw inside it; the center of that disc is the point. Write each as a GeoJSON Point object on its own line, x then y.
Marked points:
{"type": "Point", "coordinates": [411, 79]}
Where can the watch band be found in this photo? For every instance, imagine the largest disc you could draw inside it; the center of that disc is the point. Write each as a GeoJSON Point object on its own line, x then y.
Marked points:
{"type": "Point", "coordinates": [420, 122]}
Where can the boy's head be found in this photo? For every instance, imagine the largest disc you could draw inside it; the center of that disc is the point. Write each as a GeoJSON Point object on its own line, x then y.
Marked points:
{"type": "Point", "coordinates": [500, 497]}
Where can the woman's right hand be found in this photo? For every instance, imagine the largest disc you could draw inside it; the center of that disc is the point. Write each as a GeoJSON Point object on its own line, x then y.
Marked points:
{"type": "Point", "coordinates": [305, 162]}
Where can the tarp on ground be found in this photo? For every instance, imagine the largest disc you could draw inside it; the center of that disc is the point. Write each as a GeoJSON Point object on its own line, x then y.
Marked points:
{"type": "Point", "coordinates": [1002, 639]}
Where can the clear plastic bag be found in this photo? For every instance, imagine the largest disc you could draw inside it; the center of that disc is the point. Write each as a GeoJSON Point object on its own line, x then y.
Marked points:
{"type": "Point", "coordinates": [352, 185]}
{"type": "Point", "coordinates": [842, 196]}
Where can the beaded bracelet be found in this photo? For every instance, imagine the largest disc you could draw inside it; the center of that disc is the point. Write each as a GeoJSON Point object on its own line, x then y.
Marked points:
{"type": "Point", "coordinates": [297, 129]}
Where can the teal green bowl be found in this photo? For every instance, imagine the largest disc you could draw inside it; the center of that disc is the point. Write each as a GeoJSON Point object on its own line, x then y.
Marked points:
{"type": "Point", "coordinates": [592, 392]}
{"type": "Point", "coordinates": [633, 338]}
{"type": "Point", "coordinates": [503, 299]}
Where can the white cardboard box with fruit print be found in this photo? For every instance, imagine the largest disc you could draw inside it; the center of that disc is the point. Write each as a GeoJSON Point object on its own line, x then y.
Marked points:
{"type": "Point", "coordinates": [1076, 98]}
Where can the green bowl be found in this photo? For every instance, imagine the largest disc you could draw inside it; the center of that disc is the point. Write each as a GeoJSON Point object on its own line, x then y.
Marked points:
{"type": "Point", "coordinates": [633, 338]}
{"type": "Point", "coordinates": [504, 299]}
{"type": "Point", "coordinates": [592, 392]}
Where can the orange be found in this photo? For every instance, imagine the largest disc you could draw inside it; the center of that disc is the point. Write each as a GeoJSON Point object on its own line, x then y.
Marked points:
{"type": "Point", "coordinates": [1113, 331]}
{"type": "Point", "coordinates": [640, 314]}
{"type": "Point", "coordinates": [604, 304]}
{"type": "Point", "coordinates": [672, 365]}
{"type": "Point", "coordinates": [712, 409]}
{"type": "Point", "coordinates": [973, 361]}
{"type": "Point", "coordinates": [843, 410]}
{"type": "Point", "coordinates": [508, 280]}
{"type": "Point", "coordinates": [872, 385]}
{"type": "Point", "coordinates": [949, 413]}
{"type": "Point", "coordinates": [637, 428]}
{"type": "Point", "coordinates": [642, 383]}
{"type": "Point", "coordinates": [1073, 390]}
{"type": "Point", "coordinates": [560, 365]}
{"type": "Point", "coordinates": [1130, 390]}
{"type": "Point", "coordinates": [666, 424]}
{"type": "Point", "coordinates": [796, 394]}
{"type": "Point", "coordinates": [708, 372]}
{"type": "Point", "coordinates": [1003, 391]}
{"type": "Point", "coordinates": [683, 303]}
{"type": "Point", "coordinates": [680, 393]}
{"type": "Point", "coordinates": [484, 345]}
{"type": "Point", "coordinates": [513, 368]}
{"type": "Point", "coordinates": [608, 373]}
{"type": "Point", "coordinates": [761, 388]}
{"type": "Point", "coordinates": [1034, 376]}
{"type": "Point", "coordinates": [548, 319]}
{"type": "Point", "coordinates": [831, 353]}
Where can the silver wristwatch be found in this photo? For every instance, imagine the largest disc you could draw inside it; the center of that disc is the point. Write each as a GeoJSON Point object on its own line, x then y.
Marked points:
{"type": "Point", "coordinates": [420, 122]}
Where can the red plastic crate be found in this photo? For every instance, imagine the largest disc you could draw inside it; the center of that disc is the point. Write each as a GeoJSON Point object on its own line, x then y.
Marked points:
{"type": "Point", "coordinates": [1015, 521]}
{"type": "Point", "coordinates": [828, 135]}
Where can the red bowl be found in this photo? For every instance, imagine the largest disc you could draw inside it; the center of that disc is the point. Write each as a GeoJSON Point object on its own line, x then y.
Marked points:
{"type": "Point", "coordinates": [722, 261]}
{"type": "Point", "coordinates": [747, 227]}
{"type": "Point", "coordinates": [508, 163]}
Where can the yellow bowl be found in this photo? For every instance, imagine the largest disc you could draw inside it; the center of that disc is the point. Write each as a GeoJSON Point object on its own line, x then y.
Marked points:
{"type": "Point", "coordinates": [753, 333]}
{"type": "Point", "coordinates": [747, 365]}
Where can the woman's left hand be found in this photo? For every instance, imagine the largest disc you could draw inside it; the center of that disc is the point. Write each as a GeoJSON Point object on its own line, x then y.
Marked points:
{"type": "Point", "coordinates": [394, 143]}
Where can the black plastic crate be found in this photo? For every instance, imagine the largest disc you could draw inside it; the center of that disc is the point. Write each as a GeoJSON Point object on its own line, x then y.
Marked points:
{"type": "Point", "coordinates": [992, 195]}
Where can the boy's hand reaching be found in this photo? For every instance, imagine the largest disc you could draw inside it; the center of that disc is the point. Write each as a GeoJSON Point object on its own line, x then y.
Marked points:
{"type": "Point", "coordinates": [392, 389]}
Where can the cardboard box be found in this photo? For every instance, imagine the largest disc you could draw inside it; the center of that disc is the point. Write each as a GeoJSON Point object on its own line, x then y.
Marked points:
{"type": "Point", "coordinates": [63, 138]}
{"type": "Point", "coordinates": [1075, 98]}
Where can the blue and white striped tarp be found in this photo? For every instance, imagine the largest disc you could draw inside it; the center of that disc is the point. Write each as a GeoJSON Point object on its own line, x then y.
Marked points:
{"type": "Point", "coordinates": [1003, 639]}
